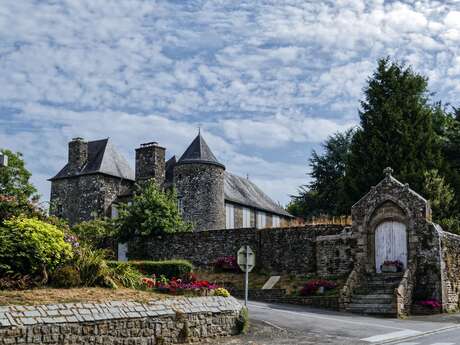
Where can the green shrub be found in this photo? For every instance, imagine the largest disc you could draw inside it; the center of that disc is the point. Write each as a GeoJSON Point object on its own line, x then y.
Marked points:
{"type": "Point", "coordinates": [93, 267]}
{"type": "Point", "coordinates": [242, 322]}
{"type": "Point", "coordinates": [66, 277]}
{"type": "Point", "coordinates": [125, 274]}
{"type": "Point", "coordinates": [29, 245]}
{"type": "Point", "coordinates": [168, 268]}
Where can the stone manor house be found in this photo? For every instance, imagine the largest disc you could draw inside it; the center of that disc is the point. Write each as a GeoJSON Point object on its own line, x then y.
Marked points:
{"type": "Point", "coordinates": [97, 177]}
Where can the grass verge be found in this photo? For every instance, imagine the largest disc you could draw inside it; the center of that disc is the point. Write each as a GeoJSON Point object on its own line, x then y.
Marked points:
{"type": "Point", "coordinates": [96, 295]}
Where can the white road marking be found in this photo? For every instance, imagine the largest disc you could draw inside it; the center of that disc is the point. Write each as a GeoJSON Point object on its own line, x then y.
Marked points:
{"type": "Point", "coordinates": [443, 344]}
{"type": "Point", "coordinates": [393, 335]}
{"type": "Point", "coordinates": [273, 325]}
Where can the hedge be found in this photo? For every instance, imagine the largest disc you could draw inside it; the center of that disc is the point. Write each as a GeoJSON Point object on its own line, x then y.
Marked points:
{"type": "Point", "coordinates": [168, 268]}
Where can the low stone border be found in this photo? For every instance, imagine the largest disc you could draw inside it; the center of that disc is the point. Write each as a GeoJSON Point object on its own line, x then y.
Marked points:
{"type": "Point", "coordinates": [260, 295]}
{"type": "Point", "coordinates": [158, 322]}
{"type": "Point", "coordinates": [279, 296]}
{"type": "Point", "coordinates": [417, 309]}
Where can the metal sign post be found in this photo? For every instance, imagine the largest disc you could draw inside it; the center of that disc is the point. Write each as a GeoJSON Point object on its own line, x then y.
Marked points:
{"type": "Point", "coordinates": [246, 260]}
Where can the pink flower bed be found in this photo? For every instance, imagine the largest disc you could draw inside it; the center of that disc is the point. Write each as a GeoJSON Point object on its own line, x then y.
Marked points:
{"type": "Point", "coordinates": [311, 287]}
{"type": "Point", "coordinates": [180, 286]}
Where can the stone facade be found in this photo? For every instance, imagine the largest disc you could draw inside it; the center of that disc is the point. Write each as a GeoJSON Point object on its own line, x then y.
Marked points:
{"type": "Point", "coordinates": [158, 322]}
{"type": "Point", "coordinates": [97, 176]}
{"type": "Point", "coordinates": [290, 250]}
{"type": "Point", "coordinates": [200, 189]}
{"type": "Point", "coordinates": [86, 197]}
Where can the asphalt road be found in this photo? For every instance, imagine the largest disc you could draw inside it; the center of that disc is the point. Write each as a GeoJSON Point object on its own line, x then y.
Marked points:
{"type": "Point", "coordinates": [275, 324]}
{"type": "Point", "coordinates": [448, 337]}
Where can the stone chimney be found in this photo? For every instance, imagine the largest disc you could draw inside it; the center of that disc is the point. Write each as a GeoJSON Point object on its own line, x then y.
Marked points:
{"type": "Point", "coordinates": [150, 163]}
{"type": "Point", "coordinates": [78, 154]}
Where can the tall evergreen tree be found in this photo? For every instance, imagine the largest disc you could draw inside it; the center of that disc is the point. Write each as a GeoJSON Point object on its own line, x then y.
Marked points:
{"type": "Point", "coordinates": [396, 129]}
{"type": "Point", "coordinates": [324, 194]}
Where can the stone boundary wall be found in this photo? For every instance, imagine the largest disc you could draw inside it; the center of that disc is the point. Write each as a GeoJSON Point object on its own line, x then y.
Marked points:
{"type": "Point", "coordinates": [450, 244]}
{"type": "Point", "coordinates": [309, 249]}
{"type": "Point", "coordinates": [155, 323]}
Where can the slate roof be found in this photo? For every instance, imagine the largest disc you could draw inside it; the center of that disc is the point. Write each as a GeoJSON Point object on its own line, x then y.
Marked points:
{"type": "Point", "coordinates": [242, 191]}
{"type": "Point", "coordinates": [199, 152]}
{"type": "Point", "coordinates": [103, 158]}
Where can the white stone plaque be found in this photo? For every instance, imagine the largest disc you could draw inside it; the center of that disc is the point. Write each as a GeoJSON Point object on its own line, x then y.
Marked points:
{"type": "Point", "coordinates": [271, 282]}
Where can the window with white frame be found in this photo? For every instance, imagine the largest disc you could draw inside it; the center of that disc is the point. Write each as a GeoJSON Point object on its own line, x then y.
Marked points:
{"type": "Point", "coordinates": [246, 217]}
{"type": "Point", "coordinates": [275, 221]}
{"type": "Point", "coordinates": [229, 216]}
{"type": "Point", "coordinates": [261, 220]}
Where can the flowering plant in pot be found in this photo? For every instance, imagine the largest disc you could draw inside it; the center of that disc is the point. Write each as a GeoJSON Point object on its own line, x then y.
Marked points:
{"type": "Point", "coordinates": [392, 266]}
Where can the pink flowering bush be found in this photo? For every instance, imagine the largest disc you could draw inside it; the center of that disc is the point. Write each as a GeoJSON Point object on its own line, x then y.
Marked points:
{"type": "Point", "coordinates": [226, 264]}
{"type": "Point", "coordinates": [311, 287]}
{"type": "Point", "coordinates": [430, 303]}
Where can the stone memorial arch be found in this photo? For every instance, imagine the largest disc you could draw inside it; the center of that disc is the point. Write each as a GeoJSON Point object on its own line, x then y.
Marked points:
{"type": "Point", "coordinates": [389, 221]}
{"type": "Point", "coordinates": [392, 224]}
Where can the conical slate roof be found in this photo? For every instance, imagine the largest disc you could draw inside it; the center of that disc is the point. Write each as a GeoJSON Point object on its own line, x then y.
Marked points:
{"type": "Point", "coordinates": [199, 152]}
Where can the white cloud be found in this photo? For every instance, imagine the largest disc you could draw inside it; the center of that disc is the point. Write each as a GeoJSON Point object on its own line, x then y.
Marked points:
{"type": "Point", "coordinates": [259, 75]}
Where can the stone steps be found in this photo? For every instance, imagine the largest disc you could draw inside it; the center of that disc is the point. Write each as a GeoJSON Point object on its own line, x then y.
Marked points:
{"type": "Point", "coordinates": [373, 298]}
{"type": "Point", "coordinates": [376, 295]}
{"type": "Point", "coordinates": [373, 308]}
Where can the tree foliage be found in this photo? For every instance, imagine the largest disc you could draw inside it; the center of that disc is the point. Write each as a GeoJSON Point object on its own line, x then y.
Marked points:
{"type": "Point", "coordinates": [15, 178]}
{"type": "Point", "coordinates": [17, 195]}
{"type": "Point", "coordinates": [324, 194]}
{"type": "Point", "coordinates": [396, 129]}
{"type": "Point", "coordinates": [151, 212]}
{"type": "Point", "coordinates": [97, 232]}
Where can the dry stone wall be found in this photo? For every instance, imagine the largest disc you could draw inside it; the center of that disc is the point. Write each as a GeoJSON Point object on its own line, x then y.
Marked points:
{"type": "Point", "coordinates": [160, 322]}
{"type": "Point", "coordinates": [311, 249]}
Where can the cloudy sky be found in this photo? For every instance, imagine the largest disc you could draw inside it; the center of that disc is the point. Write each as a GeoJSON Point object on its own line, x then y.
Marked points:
{"type": "Point", "coordinates": [267, 81]}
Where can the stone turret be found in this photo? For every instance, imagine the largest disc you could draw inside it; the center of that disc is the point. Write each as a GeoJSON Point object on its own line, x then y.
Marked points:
{"type": "Point", "coordinates": [199, 182]}
{"type": "Point", "coordinates": [78, 154]}
{"type": "Point", "coordinates": [150, 163]}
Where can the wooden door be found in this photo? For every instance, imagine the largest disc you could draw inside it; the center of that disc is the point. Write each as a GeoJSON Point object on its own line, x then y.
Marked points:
{"type": "Point", "coordinates": [390, 244]}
